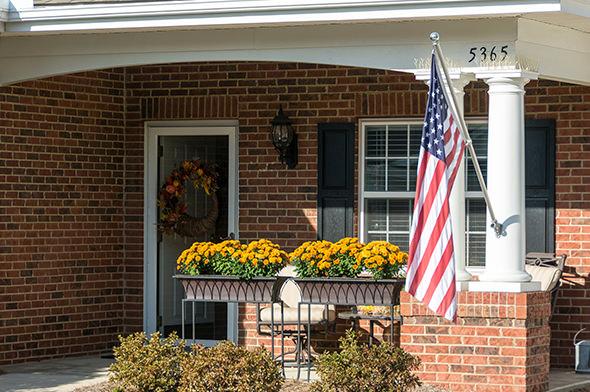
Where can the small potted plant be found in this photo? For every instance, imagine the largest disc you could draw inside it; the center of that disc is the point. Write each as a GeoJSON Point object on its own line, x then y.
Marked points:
{"type": "Point", "coordinates": [230, 271]}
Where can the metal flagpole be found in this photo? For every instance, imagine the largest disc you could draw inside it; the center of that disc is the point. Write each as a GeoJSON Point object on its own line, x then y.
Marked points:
{"type": "Point", "coordinates": [434, 37]}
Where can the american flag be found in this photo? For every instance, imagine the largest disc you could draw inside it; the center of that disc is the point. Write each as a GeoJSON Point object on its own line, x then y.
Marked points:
{"type": "Point", "coordinates": [431, 266]}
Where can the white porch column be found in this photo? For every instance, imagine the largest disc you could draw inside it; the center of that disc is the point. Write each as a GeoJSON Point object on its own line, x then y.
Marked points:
{"type": "Point", "coordinates": [457, 199]}
{"type": "Point", "coordinates": [504, 268]}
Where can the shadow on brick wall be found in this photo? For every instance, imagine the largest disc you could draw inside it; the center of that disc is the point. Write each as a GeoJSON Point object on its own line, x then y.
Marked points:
{"type": "Point", "coordinates": [571, 313]}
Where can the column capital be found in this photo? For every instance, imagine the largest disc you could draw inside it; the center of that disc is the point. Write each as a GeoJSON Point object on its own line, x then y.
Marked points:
{"type": "Point", "coordinates": [514, 77]}
{"type": "Point", "coordinates": [459, 79]}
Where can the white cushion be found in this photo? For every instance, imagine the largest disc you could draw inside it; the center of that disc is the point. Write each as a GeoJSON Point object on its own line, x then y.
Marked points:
{"type": "Point", "coordinates": [290, 294]}
{"type": "Point", "coordinates": [548, 276]}
{"type": "Point", "coordinates": [318, 314]}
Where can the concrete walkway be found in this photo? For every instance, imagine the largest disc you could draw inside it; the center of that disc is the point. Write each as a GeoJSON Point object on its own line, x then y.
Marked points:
{"type": "Point", "coordinates": [55, 375]}
{"type": "Point", "coordinates": [66, 375]}
{"type": "Point", "coordinates": [566, 380]}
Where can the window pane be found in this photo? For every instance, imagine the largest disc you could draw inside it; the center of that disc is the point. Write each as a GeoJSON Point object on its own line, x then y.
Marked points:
{"type": "Point", "coordinates": [376, 215]}
{"type": "Point", "coordinates": [398, 141]}
{"type": "Point", "coordinates": [401, 240]}
{"type": "Point", "coordinates": [376, 237]}
{"type": "Point", "coordinates": [475, 232]}
{"type": "Point", "coordinates": [375, 175]}
{"type": "Point", "coordinates": [375, 143]}
{"type": "Point", "coordinates": [472, 181]}
{"type": "Point", "coordinates": [388, 220]}
{"type": "Point", "coordinates": [415, 138]}
{"type": "Point", "coordinates": [479, 136]}
{"type": "Point", "coordinates": [397, 175]}
{"type": "Point", "coordinates": [476, 215]}
{"type": "Point", "coordinates": [413, 174]}
{"type": "Point", "coordinates": [476, 250]}
{"type": "Point", "coordinates": [399, 214]}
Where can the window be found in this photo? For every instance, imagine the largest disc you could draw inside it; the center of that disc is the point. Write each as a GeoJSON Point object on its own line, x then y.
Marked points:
{"type": "Point", "coordinates": [389, 158]}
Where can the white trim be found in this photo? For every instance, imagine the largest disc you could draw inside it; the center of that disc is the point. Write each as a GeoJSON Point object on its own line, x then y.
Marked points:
{"type": "Point", "coordinates": [231, 13]}
{"type": "Point", "coordinates": [475, 271]}
{"type": "Point", "coordinates": [152, 130]}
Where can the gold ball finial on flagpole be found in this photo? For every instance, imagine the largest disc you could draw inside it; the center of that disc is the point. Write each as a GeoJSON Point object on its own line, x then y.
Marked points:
{"type": "Point", "coordinates": [434, 37]}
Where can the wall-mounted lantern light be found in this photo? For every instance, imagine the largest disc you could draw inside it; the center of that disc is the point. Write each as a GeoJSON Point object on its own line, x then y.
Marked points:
{"type": "Point", "coordinates": [284, 139]}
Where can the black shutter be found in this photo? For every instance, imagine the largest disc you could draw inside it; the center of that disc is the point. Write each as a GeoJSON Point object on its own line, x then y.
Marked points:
{"type": "Point", "coordinates": [540, 185]}
{"type": "Point", "coordinates": [335, 180]}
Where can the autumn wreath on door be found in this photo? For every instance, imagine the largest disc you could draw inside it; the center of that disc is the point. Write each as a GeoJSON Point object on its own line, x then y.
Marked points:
{"type": "Point", "coordinates": [173, 207]}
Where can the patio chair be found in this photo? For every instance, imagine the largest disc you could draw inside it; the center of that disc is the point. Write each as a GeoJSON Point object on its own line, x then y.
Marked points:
{"type": "Point", "coordinates": [546, 268]}
{"type": "Point", "coordinates": [321, 317]}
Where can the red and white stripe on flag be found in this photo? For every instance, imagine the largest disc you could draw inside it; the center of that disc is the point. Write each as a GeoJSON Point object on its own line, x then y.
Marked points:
{"type": "Point", "coordinates": [431, 266]}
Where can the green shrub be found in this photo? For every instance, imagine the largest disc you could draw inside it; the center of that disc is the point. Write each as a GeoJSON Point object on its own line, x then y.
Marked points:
{"type": "Point", "coordinates": [356, 367]}
{"type": "Point", "coordinates": [147, 364]}
{"type": "Point", "coordinates": [227, 367]}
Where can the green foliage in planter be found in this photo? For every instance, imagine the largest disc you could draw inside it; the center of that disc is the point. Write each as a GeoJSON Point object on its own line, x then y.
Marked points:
{"type": "Point", "coordinates": [147, 364]}
{"type": "Point", "coordinates": [357, 367]}
{"type": "Point", "coordinates": [227, 367]}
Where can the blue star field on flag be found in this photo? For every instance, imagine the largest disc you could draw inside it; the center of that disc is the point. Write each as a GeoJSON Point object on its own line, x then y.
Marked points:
{"type": "Point", "coordinates": [436, 113]}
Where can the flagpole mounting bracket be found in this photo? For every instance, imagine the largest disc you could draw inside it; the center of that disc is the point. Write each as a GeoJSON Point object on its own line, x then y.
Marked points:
{"type": "Point", "coordinates": [498, 228]}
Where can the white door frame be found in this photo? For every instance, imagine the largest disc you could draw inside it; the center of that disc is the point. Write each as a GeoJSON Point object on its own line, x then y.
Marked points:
{"type": "Point", "coordinates": [153, 130]}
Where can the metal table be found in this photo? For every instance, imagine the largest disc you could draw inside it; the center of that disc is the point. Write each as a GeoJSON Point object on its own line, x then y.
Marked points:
{"type": "Point", "coordinates": [356, 317]}
{"type": "Point", "coordinates": [216, 288]}
{"type": "Point", "coordinates": [346, 292]}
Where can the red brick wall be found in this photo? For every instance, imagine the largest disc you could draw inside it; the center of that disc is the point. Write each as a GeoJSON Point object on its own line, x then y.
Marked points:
{"type": "Point", "coordinates": [274, 202]}
{"type": "Point", "coordinates": [500, 342]}
{"type": "Point", "coordinates": [61, 221]}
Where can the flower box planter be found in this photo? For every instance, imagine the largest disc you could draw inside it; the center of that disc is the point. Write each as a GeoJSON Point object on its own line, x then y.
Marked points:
{"type": "Point", "coordinates": [219, 288]}
{"type": "Point", "coordinates": [350, 291]}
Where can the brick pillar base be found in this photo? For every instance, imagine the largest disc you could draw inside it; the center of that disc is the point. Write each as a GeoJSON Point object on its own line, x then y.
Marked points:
{"type": "Point", "coordinates": [500, 342]}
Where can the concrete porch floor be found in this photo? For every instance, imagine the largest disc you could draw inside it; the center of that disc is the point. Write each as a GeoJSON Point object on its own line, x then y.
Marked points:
{"type": "Point", "coordinates": [66, 375]}
{"type": "Point", "coordinates": [562, 380]}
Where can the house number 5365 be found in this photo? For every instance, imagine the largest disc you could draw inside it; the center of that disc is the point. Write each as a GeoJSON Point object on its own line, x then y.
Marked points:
{"type": "Point", "coordinates": [485, 53]}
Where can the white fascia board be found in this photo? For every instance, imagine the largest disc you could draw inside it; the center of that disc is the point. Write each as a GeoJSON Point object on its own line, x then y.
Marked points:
{"type": "Point", "coordinates": [231, 13]}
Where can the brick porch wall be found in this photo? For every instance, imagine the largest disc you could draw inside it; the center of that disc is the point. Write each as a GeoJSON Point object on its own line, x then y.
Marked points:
{"type": "Point", "coordinates": [500, 342]}
{"type": "Point", "coordinates": [275, 203]}
{"type": "Point", "coordinates": [61, 220]}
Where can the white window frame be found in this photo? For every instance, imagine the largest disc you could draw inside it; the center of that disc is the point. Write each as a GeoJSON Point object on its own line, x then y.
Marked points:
{"type": "Point", "coordinates": [362, 194]}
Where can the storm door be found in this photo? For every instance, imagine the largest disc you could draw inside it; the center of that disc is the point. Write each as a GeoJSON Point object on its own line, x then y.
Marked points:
{"type": "Point", "coordinates": [213, 321]}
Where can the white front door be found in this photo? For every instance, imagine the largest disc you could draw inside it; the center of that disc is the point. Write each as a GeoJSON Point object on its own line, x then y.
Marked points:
{"type": "Point", "coordinates": [167, 147]}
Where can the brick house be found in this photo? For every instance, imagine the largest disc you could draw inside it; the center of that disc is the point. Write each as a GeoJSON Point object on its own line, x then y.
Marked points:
{"type": "Point", "coordinates": [99, 101]}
